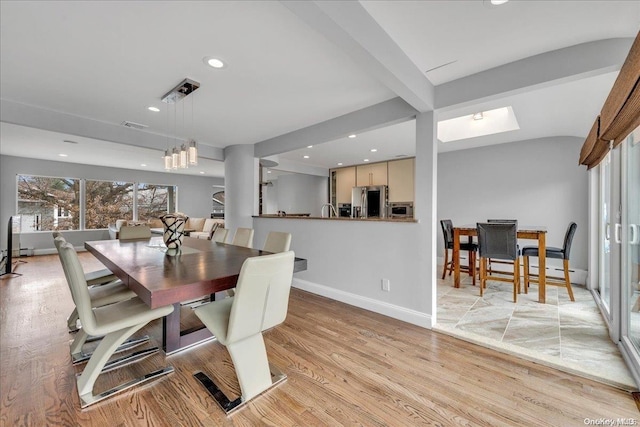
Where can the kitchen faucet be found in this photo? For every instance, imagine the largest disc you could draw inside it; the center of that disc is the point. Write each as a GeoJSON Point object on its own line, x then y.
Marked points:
{"type": "Point", "coordinates": [330, 210]}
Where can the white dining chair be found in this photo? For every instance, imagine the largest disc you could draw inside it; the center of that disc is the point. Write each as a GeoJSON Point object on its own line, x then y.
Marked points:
{"type": "Point", "coordinates": [260, 303]}
{"type": "Point", "coordinates": [243, 237]}
{"type": "Point", "coordinates": [116, 322]}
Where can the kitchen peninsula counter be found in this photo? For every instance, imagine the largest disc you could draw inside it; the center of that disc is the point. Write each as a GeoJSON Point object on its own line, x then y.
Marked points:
{"type": "Point", "coordinates": [407, 220]}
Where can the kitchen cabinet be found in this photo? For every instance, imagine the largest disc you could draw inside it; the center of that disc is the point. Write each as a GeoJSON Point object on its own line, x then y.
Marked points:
{"type": "Point", "coordinates": [371, 174]}
{"type": "Point", "coordinates": [401, 180]}
{"type": "Point", "coordinates": [345, 181]}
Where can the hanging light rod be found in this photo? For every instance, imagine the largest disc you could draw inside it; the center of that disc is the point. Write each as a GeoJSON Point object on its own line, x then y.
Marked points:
{"type": "Point", "coordinates": [183, 89]}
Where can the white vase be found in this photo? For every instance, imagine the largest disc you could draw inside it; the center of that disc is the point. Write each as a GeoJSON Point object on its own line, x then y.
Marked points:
{"type": "Point", "coordinates": [173, 229]}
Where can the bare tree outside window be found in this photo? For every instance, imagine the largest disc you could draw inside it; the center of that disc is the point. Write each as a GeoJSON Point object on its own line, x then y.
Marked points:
{"type": "Point", "coordinates": [47, 204]}
{"type": "Point", "coordinates": [155, 200]}
{"type": "Point", "coordinates": [106, 202]}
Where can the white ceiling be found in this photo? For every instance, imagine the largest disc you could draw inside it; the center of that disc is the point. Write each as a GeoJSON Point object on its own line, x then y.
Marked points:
{"type": "Point", "coordinates": [108, 61]}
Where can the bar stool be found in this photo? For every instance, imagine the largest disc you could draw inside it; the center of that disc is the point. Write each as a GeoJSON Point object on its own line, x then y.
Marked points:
{"type": "Point", "coordinates": [551, 252]}
{"type": "Point", "coordinates": [499, 241]}
{"type": "Point", "coordinates": [471, 248]}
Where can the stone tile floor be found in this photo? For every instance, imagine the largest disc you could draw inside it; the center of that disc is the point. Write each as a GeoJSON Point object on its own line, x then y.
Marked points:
{"type": "Point", "coordinates": [570, 336]}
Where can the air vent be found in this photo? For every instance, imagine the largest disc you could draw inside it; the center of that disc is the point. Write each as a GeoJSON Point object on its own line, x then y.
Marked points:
{"type": "Point", "coordinates": [133, 125]}
{"type": "Point", "coordinates": [401, 155]}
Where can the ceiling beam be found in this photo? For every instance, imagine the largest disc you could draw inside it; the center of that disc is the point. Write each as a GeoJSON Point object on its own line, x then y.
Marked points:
{"type": "Point", "coordinates": [55, 121]}
{"type": "Point", "coordinates": [380, 115]}
{"type": "Point", "coordinates": [535, 72]}
{"type": "Point", "coordinates": [353, 29]}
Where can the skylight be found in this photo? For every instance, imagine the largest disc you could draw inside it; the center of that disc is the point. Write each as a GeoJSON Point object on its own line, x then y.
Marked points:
{"type": "Point", "coordinates": [465, 127]}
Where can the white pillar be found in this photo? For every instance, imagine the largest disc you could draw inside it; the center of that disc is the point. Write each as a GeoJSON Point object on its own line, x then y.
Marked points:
{"type": "Point", "coordinates": [426, 180]}
{"type": "Point", "coordinates": [240, 186]}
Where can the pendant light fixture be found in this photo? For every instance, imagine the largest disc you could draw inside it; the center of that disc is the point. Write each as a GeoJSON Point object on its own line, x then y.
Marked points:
{"type": "Point", "coordinates": [187, 154]}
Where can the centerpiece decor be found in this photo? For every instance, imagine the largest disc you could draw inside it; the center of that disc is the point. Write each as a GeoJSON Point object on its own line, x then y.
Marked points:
{"type": "Point", "coordinates": [173, 229]}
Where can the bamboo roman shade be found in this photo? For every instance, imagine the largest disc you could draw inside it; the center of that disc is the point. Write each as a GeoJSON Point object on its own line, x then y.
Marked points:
{"type": "Point", "coordinates": [620, 113]}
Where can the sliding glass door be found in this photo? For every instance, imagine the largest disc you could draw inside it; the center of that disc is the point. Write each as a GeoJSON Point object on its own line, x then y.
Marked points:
{"type": "Point", "coordinates": [604, 257]}
{"type": "Point", "coordinates": [630, 237]}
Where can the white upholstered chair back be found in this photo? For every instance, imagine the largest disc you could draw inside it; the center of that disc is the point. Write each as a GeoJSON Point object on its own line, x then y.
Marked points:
{"type": "Point", "coordinates": [277, 241]}
{"type": "Point", "coordinates": [220, 235]}
{"type": "Point", "coordinates": [134, 232]}
{"type": "Point", "coordinates": [243, 237]}
{"type": "Point", "coordinates": [262, 295]}
{"type": "Point", "coordinates": [77, 284]}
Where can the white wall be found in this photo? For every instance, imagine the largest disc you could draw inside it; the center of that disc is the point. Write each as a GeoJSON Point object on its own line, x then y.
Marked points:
{"type": "Point", "coordinates": [301, 193]}
{"type": "Point", "coordinates": [348, 259]}
{"type": "Point", "coordinates": [537, 182]}
{"type": "Point", "coordinates": [194, 193]}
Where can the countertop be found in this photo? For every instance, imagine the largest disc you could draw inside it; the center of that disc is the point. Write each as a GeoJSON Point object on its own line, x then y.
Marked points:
{"type": "Point", "coordinates": [409, 220]}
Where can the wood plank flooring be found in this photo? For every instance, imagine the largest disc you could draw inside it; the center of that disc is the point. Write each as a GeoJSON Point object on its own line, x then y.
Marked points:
{"type": "Point", "coordinates": [345, 366]}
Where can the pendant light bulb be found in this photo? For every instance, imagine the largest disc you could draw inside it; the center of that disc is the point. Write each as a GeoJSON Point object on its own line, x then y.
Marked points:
{"type": "Point", "coordinates": [193, 152]}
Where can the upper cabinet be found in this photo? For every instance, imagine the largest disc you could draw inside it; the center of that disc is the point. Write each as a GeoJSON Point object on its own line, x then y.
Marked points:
{"type": "Point", "coordinates": [345, 181]}
{"type": "Point", "coordinates": [371, 174]}
{"type": "Point", "coordinates": [401, 180]}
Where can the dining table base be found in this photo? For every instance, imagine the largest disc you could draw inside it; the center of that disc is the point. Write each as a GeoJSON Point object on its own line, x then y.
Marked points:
{"type": "Point", "coordinates": [174, 339]}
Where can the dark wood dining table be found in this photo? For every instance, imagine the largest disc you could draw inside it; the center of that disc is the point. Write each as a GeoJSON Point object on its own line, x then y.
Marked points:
{"type": "Point", "coordinates": [161, 277]}
{"type": "Point", "coordinates": [533, 232]}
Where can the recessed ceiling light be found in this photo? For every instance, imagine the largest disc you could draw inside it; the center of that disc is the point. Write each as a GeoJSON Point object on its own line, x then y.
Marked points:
{"type": "Point", "coordinates": [154, 109]}
{"type": "Point", "coordinates": [306, 157]}
{"type": "Point", "coordinates": [498, 2]}
{"type": "Point", "coordinates": [340, 164]}
{"type": "Point", "coordinates": [478, 116]}
{"type": "Point", "coordinates": [214, 62]}
{"type": "Point", "coordinates": [309, 146]}
{"type": "Point", "coordinates": [68, 141]}
{"type": "Point", "coordinates": [353, 135]}
{"type": "Point", "coordinates": [63, 155]}
{"type": "Point", "coordinates": [143, 165]}
{"type": "Point", "coordinates": [202, 172]}
{"type": "Point", "coordinates": [366, 160]}
{"type": "Point", "coordinates": [373, 150]}
{"type": "Point", "coordinates": [268, 171]}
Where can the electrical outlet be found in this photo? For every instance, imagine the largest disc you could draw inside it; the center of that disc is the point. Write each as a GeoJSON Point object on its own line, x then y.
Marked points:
{"type": "Point", "coordinates": [386, 285]}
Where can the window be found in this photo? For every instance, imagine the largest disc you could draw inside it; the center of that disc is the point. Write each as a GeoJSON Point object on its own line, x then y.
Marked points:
{"type": "Point", "coordinates": [47, 204]}
{"type": "Point", "coordinates": [106, 202]}
{"type": "Point", "coordinates": [155, 200]}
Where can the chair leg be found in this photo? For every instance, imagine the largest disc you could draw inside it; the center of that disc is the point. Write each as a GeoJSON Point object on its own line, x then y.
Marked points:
{"type": "Point", "coordinates": [567, 280]}
{"type": "Point", "coordinates": [72, 321]}
{"type": "Point", "coordinates": [101, 355]}
{"type": "Point", "coordinates": [516, 279]}
{"type": "Point", "coordinates": [525, 261]}
{"type": "Point", "coordinates": [252, 366]}
{"type": "Point", "coordinates": [472, 266]}
{"type": "Point", "coordinates": [483, 274]}
{"type": "Point", "coordinates": [446, 261]}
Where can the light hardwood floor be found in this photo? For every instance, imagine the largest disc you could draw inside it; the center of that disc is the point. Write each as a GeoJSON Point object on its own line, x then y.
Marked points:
{"type": "Point", "coordinates": [345, 366]}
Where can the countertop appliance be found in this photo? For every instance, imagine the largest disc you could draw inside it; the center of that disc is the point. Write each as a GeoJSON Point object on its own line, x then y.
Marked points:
{"type": "Point", "coordinates": [369, 201]}
{"type": "Point", "coordinates": [401, 210]}
{"type": "Point", "coordinates": [344, 210]}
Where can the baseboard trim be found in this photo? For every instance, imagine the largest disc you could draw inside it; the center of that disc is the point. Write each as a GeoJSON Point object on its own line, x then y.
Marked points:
{"type": "Point", "coordinates": [394, 311]}
{"type": "Point", "coordinates": [53, 251]}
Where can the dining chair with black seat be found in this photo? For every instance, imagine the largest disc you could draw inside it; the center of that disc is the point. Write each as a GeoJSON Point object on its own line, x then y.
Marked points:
{"type": "Point", "coordinates": [556, 253]}
{"type": "Point", "coordinates": [116, 322]}
{"type": "Point", "coordinates": [498, 240]}
{"type": "Point", "coordinates": [260, 303]}
{"type": "Point", "coordinates": [471, 248]}
{"type": "Point", "coordinates": [490, 261]}
{"type": "Point", "coordinates": [99, 296]}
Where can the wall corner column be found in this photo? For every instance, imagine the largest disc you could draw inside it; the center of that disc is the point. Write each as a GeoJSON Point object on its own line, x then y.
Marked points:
{"type": "Point", "coordinates": [241, 186]}
{"type": "Point", "coordinates": [426, 179]}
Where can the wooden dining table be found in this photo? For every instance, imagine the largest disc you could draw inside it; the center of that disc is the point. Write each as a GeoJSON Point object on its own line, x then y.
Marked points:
{"type": "Point", "coordinates": [532, 232]}
{"type": "Point", "coordinates": [161, 277]}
